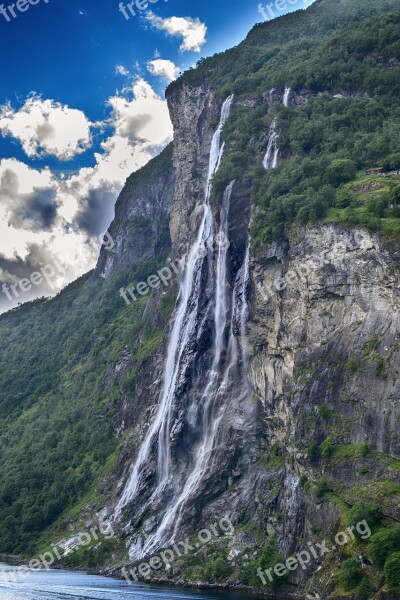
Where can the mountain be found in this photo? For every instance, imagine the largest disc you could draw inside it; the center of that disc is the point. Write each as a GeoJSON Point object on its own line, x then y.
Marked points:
{"type": "Point", "coordinates": [233, 359]}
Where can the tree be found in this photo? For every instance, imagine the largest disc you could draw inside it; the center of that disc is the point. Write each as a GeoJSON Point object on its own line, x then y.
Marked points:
{"type": "Point", "coordinates": [350, 574]}
{"type": "Point", "coordinates": [382, 544]}
{"type": "Point", "coordinates": [341, 171]}
{"type": "Point", "coordinates": [392, 572]}
{"type": "Point", "coordinates": [395, 194]}
{"type": "Point", "coordinates": [364, 591]}
{"type": "Point", "coordinates": [361, 511]}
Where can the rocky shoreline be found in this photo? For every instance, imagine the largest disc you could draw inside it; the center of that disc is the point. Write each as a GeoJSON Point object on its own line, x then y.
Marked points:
{"type": "Point", "coordinates": [18, 561]}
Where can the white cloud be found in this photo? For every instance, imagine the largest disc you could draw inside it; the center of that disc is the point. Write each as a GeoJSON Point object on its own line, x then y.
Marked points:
{"type": "Point", "coordinates": [45, 127]}
{"type": "Point", "coordinates": [64, 215]}
{"type": "Point", "coordinates": [141, 126]}
{"type": "Point", "coordinates": [28, 196]}
{"type": "Point", "coordinates": [121, 70]}
{"type": "Point", "coordinates": [193, 31]}
{"type": "Point", "coordinates": [163, 68]}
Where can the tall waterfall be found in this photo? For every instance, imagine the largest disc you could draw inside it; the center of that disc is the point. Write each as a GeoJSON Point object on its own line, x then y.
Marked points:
{"type": "Point", "coordinates": [184, 323]}
{"type": "Point", "coordinates": [286, 96]}
{"type": "Point", "coordinates": [209, 409]}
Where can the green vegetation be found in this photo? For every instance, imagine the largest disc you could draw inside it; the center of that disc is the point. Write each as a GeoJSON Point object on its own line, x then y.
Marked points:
{"type": "Point", "coordinates": [217, 570]}
{"type": "Point", "coordinates": [392, 572]}
{"type": "Point", "coordinates": [351, 451]}
{"type": "Point", "coordinates": [63, 383]}
{"type": "Point", "coordinates": [327, 448]}
{"type": "Point", "coordinates": [313, 451]}
{"type": "Point", "coordinates": [61, 398]}
{"type": "Point", "coordinates": [149, 344]}
{"type": "Point", "coordinates": [97, 554]}
{"type": "Point", "coordinates": [362, 511]}
{"type": "Point", "coordinates": [322, 487]}
{"type": "Point", "coordinates": [364, 590]}
{"type": "Point", "coordinates": [353, 365]}
{"type": "Point", "coordinates": [308, 49]}
{"type": "Point", "coordinates": [326, 143]}
{"type": "Point", "coordinates": [350, 574]}
{"type": "Point", "coordinates": [383, 544]}
{"type": "Point", "coordinates": [268, 558]}
{"type": "Point", "coordinates": [209, 564]}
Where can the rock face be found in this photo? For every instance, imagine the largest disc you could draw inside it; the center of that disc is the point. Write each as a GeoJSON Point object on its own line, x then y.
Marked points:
{"type": "Point", "coordinates": [324, 339]}
{"type": "Point", "coordinates": [322, 345]}
{"type": "Point", "coordinates": [205, 459]}
{"type": "Point", "coordinates": [192, 111]}
{"type": "Point", "coordinates": [140, 229]}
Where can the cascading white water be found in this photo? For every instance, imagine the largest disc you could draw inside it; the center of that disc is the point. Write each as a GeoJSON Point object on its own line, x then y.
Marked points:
{"type": "Point", "coordinates": [220, 294]}
{"type": "Point", "coordinates": [276, 154]}
{"type": "Point", "coordinates": [271, 156]}
{"type": "Point", "coordinates": [286, 96]}
{"type": "Point", "coordinates": [210, 416]}
{"type": "Point", "coordinates": [184, 322]}
{"type": "Point", "coordinates": [244, 307]}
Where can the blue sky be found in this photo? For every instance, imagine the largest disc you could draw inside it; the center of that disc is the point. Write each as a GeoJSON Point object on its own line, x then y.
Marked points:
{"type": "Point", "coordinates": [82, 106]}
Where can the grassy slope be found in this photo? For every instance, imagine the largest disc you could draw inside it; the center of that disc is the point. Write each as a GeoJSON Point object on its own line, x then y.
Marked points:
{"type": "Point", "coordinates": [58, 410]}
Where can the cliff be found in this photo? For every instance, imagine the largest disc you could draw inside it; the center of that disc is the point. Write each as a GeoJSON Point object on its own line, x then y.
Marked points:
{"type": "Point", "coordinates": [252, 393]}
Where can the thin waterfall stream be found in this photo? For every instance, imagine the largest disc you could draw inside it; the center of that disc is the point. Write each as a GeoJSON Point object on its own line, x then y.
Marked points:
{"type": "Point", "coordinates": [270, 160]}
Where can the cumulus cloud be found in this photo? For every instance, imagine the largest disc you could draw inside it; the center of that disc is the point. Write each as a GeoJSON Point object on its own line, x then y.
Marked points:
{"type": "Point", "coordinates": [34, 208]}
{"type": "Point", "coordinates": [19, 268]}
{"type": "Point", "coordinates": [96, 212]}
{"type": "Point", "coordinates": [45, 127]}
{"type": "Point", "coordinates": [47, 217]}
{"type": "Point", "coordinates": [163, 68]}
{"type": "Point", "coordinates": [143, 118]}
{"type": "Point", "coordinates": [193, 31]}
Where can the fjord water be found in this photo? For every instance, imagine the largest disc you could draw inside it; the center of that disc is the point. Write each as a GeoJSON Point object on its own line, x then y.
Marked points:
{"type": "Point", "coordinates": [63, 585]}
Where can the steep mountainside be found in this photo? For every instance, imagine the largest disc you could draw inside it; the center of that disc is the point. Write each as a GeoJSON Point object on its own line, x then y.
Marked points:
{"type": "Point", "coordinates": [261, 383]}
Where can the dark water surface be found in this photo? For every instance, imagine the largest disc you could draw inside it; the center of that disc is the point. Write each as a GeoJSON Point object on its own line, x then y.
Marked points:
{"type": "Point", "coordinates": [65, 585]}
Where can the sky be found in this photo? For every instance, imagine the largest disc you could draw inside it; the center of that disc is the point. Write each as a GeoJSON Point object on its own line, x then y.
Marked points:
{"type": "Point", "coordinates": [82, 106]}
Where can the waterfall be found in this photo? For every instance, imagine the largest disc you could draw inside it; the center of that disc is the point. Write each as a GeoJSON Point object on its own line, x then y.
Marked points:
{"type": "Point", "coordinates": [286, 96]}
{"type": "Point", "coordinates": [184, 324]}
{"type": "Point", "coordinates": [271, 156]}
{"type": "Point", "coordinates": [210, 414]}
{"type": "Point", "coordinates": [220, 294]}
{"type": "Point", "coordinates": [244, 306]}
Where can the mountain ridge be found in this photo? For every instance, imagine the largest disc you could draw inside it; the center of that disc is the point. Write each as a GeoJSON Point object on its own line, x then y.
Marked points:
{"type": "Point", "coordinates": [323, 387]}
